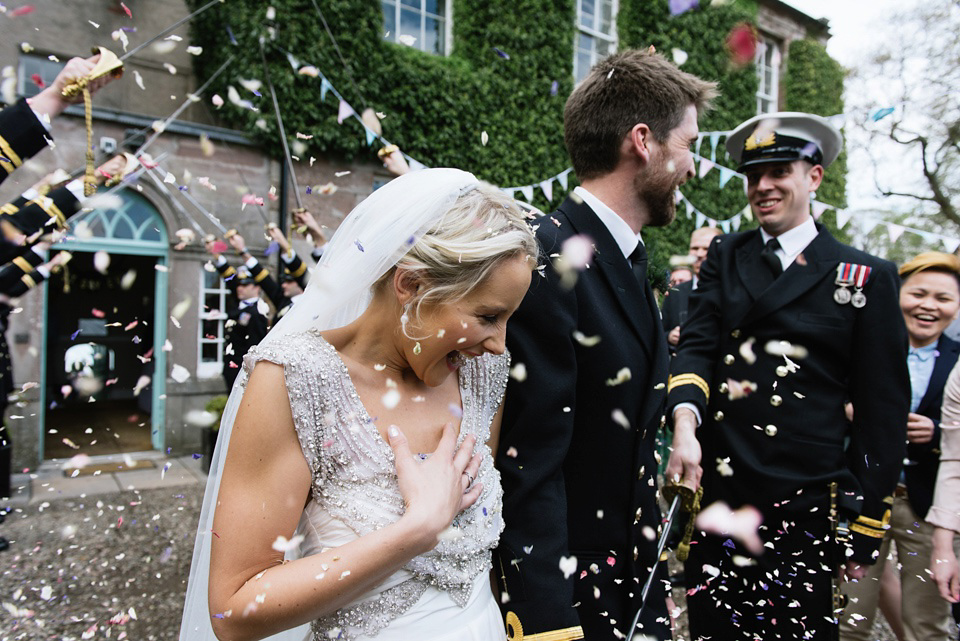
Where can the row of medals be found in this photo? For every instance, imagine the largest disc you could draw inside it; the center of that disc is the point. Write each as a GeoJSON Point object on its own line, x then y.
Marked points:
{"type": "Point", "coordinates": [843, 296]}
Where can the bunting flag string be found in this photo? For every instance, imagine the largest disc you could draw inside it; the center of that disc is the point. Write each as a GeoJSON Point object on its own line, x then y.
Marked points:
{"type": "Point", "coordinates": [868, 221]}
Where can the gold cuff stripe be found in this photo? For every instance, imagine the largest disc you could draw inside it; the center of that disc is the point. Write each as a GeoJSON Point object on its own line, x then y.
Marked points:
{"type": "Point", "coordinates": [9, 209]}
{"type": "Point", "coordinates": [515, 632]}
{"type": "Point", "coordinates": [300, 270]}
{"type": "Point", "coordinates": [29, 281]}
{"type": "Point", "coordinates": [688, 379]}
{"type": "Point", "coordinates": [867, 531]}
{"type": "Point", "coordinates": [866, 520]}
{"type": "Point", "coordinates": [11, 156]}
{"type": "Point", "coordinates": [259, 277]}
{"type": "Point", "coordinates": [22, 263]}
{"type": "Point", "coordinates": [228, 272]}
{"type": "Point", "coordinates": [50, 208]}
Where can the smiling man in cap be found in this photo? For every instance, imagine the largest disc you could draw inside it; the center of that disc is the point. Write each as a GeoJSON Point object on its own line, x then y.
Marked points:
{"type": "Point", "coordinates": [785, 326]}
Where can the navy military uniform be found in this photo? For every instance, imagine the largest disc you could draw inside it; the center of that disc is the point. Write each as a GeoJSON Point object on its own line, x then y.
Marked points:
{"type": "Point", "coordinates": [294, 269]}
{"type": "Point", "coordinates": [21, 136]}
{"type": "Point", "coordinates": [577, 446]}
{"type": "Point", "coordinates": [769, 361]}
{"type": "Point", "coordinates": [246, 324]}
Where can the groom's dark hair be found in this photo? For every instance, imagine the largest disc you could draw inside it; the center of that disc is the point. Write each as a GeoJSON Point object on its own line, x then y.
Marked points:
{"type": "Point", "coordinates": [620, 91]}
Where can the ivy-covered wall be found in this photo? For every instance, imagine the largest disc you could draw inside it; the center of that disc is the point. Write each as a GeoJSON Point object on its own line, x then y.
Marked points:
{"type": "Point", "coordinates": [437, 107]}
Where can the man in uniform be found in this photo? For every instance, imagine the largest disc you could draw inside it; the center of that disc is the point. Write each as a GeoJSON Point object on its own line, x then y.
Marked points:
{"type": "Point", "coordinates": [785, 326]}
{"type": "Point", "coordinates": [247, 323]}
{"type": "Point", "coordinates": [677, 301]}
{"type": "Point", "coordinates": [576, 452]}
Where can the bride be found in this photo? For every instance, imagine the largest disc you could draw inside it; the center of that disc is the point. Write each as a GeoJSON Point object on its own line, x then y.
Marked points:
{"type": "Point", "coordinates": [358, 437]}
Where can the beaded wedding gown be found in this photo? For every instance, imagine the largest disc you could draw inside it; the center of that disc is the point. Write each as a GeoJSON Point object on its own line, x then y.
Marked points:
{"type": "Point", "coordinates": [443, 595]}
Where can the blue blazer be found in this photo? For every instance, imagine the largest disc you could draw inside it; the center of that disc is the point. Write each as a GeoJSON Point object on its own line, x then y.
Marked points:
{"type": "Point", "coordinates": [924, 458]}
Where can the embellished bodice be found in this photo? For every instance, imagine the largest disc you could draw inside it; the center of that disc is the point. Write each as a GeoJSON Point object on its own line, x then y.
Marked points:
{"type": "Point", "coordinates": [354, 482]}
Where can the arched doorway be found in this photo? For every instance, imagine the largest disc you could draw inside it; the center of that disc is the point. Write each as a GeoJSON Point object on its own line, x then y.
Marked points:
{"type": "Point", "coordinates": [105, 319]}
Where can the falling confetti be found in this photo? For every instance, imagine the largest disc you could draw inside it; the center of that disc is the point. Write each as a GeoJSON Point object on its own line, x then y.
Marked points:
{"type": "Point", "coordinates": [179, 373]}
{"type": "Point", "coordinates": [284, 545]}
{"type": "Point", "coordinates": [682, 6]}
{"type": "Point", "coordinates": [568, 565]}
{"type": "Point", "coordinates": [623, 376]}
{"type": "Point", "coordinates": [742, 44]}
{"type": "Point", "coordinates": [741, 524]}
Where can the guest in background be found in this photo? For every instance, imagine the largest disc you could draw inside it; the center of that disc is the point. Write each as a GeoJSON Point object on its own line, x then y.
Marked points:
{"type": "Point", "coordinates": [930, 301]}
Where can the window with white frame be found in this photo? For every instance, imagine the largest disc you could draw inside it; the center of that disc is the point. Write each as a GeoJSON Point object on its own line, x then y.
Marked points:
{"type": "Point", "coordinates": [32, 68]}
{"type": "Point", "coordinates": [213, 313]}
{"type": "Point", "coordinates": [768, 75]}
{"type": "Point", "coordinates": [596, 35]}
{"type": "Point", "coordinates": [421, 24]}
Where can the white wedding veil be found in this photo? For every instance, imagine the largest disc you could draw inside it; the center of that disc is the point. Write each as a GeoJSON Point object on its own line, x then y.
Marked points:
{"type": "Point", "coordinates": [371, 239]}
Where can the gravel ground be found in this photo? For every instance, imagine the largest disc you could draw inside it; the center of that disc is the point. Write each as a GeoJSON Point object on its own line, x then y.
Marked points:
{"type": "Point", "coordinates": [115, 566]}
{"type": "Point", "coordinates": [111, 566]}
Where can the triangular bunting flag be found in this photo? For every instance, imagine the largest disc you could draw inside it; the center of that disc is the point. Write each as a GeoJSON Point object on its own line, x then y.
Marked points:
{"type": "Point", "coordinates": [868, 224]}
{"type": "Point", "coordinates": [818, 208]}
{"type": "Point", "coordinates": [325, 86]}
{"type": "Point", "coordinates": [725, 176]}
{"type": "Point", "coordinates": [696, 151]}
{"type": "Point", "coordinates": [527, 191]}
{"type": "Point", "coordinates": [894, 231]}
{"type": "Point", "coordinates": [371, 135]}
{"type": "Point", "coordinates": [562, 179]}
{"type": "Point", "coordinates": [509, 192]}
{"type": "Point", "coordinates": [843, 217]}
{"type": "Point", "coordinates": [699, 220]}
{"type": "Point", "coordinates": [725, 226]}
{"type": "Point", "coordinates": [744, 179]}
{"type": "Point", "coordinates": [746, 213]}
{"type": "Point", "coordinates": [735, 222]}
{"type": "Point", "coordinates": [344, 112]}
{"type": "Point", "coordinates": [950, 244]}
{"type": "Point", "coordinates": [547, 188]}
{"type": "Point", "coordinates": [689, 206]}
{"type": "Point", "coordinates": [711, 222]}
{"type": "Point", "coordinates": [705, 167]}
{"type": "Point", "coordinates": [714, 139]}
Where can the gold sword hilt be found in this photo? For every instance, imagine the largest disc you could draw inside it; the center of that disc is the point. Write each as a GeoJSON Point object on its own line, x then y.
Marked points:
{"type": "Point", "coordinates": [690, 503]}
{"type": "Point", "coordinates": [109, 64]}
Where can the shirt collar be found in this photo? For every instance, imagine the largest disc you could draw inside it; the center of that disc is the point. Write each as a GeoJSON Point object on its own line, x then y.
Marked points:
{"type": "Point", "coordinates": [626, 239]}
{"type": "Point", "coordinates": [250, 301]}
{"type": "Point", "coordinates": [924, 353]}
{"type": "Point", "coordinates": [794, 241]}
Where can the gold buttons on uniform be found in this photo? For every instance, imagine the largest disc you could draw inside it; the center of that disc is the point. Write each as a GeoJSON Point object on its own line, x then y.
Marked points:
{"type": "Point", "coordinates": [718, 415]}
{"type": "Point", "coordinates": [770, 430]}
{"type": "Point", "coordinates": [724, 388]}
{"type": "Point", "coordinates": [776, 400]}
{"type": "Point", "coordinates": [728, 359]}
{"type": "Point", "coordinates": [782, 371]}
{"type": "Point", "coordinates": [735, 333]}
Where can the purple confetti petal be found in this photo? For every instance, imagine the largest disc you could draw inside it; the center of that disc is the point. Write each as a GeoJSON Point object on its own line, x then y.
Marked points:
{"type": "Point", "coordinates": [74, 335]}
{"type": "Point", "coordinates": [554, 88]}
{"type": "Point", "coordinates": [682, 6]}
{"type": "Point", "coordinates": [197, 456]}
{"type": "Point", "coordinates": [359, 246]}
{"type": "Point", "coordinates": [502, 54]}
{"type": "Point", "coordinates": [272, 248]}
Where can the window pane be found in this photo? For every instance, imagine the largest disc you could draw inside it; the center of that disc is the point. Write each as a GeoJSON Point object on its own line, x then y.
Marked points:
{"type": "Point", "coordinates": [389, 21]}
{"type": "Point", "coordinates": [604, 49]}
{"type": "Point", "coordinates": [433, 32]}
{"type": "Point", "coordinates": [411, 3]}
{"type": "Point", "coordinates": [585, 42]}
{"type": "Point", "coordinates": [434, 7]}
{"type": "Point", "coordinates": [410, 26]}
{"type": "Point", "coordinates": [606, 17]}
{"type": "Point", "coordinates": [587, 11]}
{"type": "Point", "coordinates": [768, 80]}
{"type": "Point", "coordinates": [582, 65]}
{"type": "Point", "coordinates": [209, 354]}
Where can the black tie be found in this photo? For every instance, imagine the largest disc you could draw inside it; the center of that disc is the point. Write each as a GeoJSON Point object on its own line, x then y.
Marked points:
{"type": "Point", "coordinates": [770, 258]}
{"type": "Point", "coordinates": [638, 262]}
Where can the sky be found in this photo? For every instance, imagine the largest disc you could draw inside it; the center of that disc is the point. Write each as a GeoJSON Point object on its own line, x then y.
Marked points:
{"type": "Point", "coordinates": [857, 28]}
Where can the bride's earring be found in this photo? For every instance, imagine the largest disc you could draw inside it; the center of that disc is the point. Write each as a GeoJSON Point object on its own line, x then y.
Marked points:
{"type": "Point", "coordinates": [405, 317]}
{"type": "Point", "coordinates": [416, 348]}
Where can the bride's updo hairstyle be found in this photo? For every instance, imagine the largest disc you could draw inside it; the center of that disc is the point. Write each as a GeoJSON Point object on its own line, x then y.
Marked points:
{"type": "Point", "coordinates": [482, 229]}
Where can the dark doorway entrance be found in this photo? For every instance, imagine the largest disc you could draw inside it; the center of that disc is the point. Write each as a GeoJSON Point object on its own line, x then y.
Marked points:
{"type": "Point", "coordinates": [100, 356]}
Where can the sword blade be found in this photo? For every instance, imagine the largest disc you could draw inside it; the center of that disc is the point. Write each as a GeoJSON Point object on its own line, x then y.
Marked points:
{"type": "Point", "coordinates": [176, 24]}
{"type": "Point", "coordinates": [283, 134]}
{"type": "Point", "coordinates": [176, 204]}
{"type": "Point", "coordinates": [193, 201]}
{"type": "Point", "coordinates": [661, 546]}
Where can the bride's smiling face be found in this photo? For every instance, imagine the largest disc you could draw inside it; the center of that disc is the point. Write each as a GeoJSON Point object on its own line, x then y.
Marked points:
{"type": "Point", "coordinates": [474, 325]}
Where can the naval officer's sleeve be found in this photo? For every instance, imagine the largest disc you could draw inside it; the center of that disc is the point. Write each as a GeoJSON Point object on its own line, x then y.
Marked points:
{"type": "Point", "coordinates": [880, 392]}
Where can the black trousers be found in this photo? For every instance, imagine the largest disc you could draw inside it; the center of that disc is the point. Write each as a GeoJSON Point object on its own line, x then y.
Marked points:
{"type": "Point", "coordinates": [784, 594]}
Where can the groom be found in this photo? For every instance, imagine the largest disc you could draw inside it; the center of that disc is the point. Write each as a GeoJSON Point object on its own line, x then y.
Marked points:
{"type": "Point", "coordinates": [576, 450]}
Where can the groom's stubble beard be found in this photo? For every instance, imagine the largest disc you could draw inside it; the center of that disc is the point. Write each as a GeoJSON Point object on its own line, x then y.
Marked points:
{"type": "Point", "coordinates": [656, 188]}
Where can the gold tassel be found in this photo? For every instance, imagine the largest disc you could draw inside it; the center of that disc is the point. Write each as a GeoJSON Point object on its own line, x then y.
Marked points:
{"type": "Point", "coordinates": [90, 179]}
